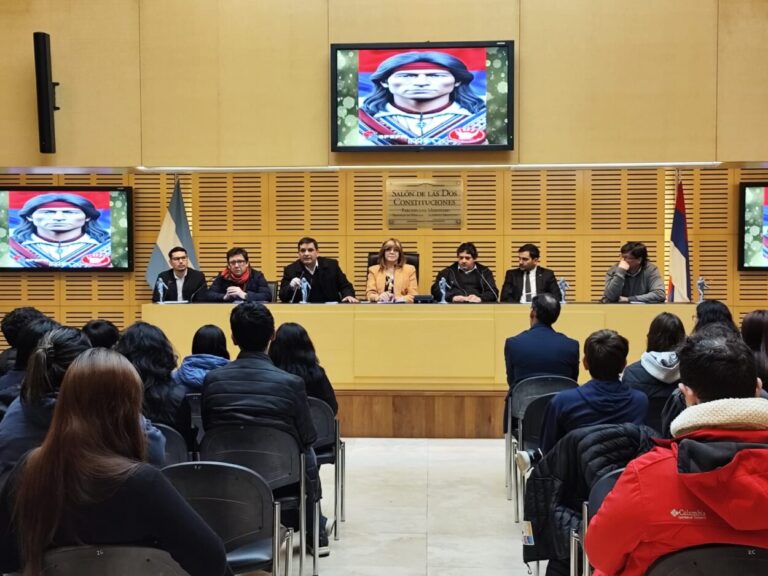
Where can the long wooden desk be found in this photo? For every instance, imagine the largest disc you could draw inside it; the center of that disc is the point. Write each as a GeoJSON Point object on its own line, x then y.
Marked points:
{"type": "Point", "coordinates": [418, 370]}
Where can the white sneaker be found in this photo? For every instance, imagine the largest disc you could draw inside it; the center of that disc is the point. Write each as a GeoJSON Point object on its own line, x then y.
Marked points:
{"type": "Point", "coordinates": [523, 460]}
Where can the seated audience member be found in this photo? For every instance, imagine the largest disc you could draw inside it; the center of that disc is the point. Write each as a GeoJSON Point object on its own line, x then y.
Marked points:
{"type": "Point", "coordinates": [101, 333]}
{"type": "Point", "coordinates": [634, 278]}
{"type": "Point", "coordinates": [209, 351]}
{"type": "Point", "coordinates": [293, 351]}
{"type": "Point", "coordinates": [29, 416]}
{"type": "Point", "coordinates": [11, 326]}
{"type": "Point", "coordinates": [602, 400]}
{"type": "Point", "coordinates": [466, 279]}
{"type": "Point", "coordinates": [521, 284]}
{"type": "Point", "coordinates": [252, 390]}
{"type": "Point", "coordinates": [561, 482]}
{"type": "Point", "coordinates": [238, 282]}
{"type": "Point", "coordinates": [325, 280]}
{"type": "Point", "coordinates": [714, 312]}
{"type": "Point", "coordinates": [87, 484]}
{"type": "Point", "coordinates": [391, 279]}
{"type": "Point", "coordinates": [27, 340]}
{"type": "Point", "coordinates": [657, 372]}
{"type": "Point", "coordinates": [708, 484]}
{"type": "Point", "coordinates": [540, 350]}
{"type": "Point", "coordinates": [150, 352]}
{"type": "Point", "coordinates": [754, 331]}
{"type": "Point", "coordinates": [180, 283]}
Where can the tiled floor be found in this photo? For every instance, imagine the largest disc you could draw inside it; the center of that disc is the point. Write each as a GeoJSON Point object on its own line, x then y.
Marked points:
{"type": "Point", "coordinates": [422, 508]}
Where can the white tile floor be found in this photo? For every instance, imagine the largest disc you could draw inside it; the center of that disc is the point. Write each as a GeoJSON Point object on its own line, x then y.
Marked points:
{"type": "Point", "coordinates": [421, 508]}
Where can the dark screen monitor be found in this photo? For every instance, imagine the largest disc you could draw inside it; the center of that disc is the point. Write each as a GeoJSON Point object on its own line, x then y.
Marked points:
{"type": "Point", "coordinates": [65, 228]}
{"type": "Point", "coordinates": [753, 226]}
{"type": "Point", "coordinates": [422, 96]}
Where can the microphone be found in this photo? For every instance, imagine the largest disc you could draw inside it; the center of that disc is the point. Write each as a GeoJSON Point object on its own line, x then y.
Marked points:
{"type": "Point", "coordinates": [495, 294]}
{"type": "Point", "coordinates": [293, 296]}
{"type": "Point", "coordinates": [161, 288]}
{"type": "Point", "coordinates": [192, 296]}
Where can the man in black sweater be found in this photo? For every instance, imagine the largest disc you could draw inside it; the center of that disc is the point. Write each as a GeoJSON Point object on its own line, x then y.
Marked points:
{"type": "Point", "coordinates": [324, 280]}
{"type": "Point", "coordinates": [466, 280]}
{"type": "Point", "coordinates": [252, 390]}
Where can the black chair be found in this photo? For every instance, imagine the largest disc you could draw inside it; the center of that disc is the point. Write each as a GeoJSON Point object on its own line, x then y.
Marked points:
{"type": "Point", "coordinates": [276, 457]}
{"type": "Point", "coordinates": [411, 258]}
{"type": "Point", "coordinates": [597, 495]}
{"type": "Point", "coordinates": [712, 560]}
{"type": "Point", "coordinates": [525, 392]}
{"type": "Point", "coordinates": [329, 449]}
{"type": "Point", "coordinates": [112, 560]}
{"type": "Point", "coordinates": [655, 408]}
{"type": "Point", "coordinates": [175, 445]}
{"type": "Point", "coordinates": [196, 418]}
{"type": "Point", "coordinates": [238, 506]}
{"type": "Point", "coordinates": [273, 289]}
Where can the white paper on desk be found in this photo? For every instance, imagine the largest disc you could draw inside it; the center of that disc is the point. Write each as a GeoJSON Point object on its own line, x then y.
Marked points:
{"type": "Point", "coordinates": [174, 302]}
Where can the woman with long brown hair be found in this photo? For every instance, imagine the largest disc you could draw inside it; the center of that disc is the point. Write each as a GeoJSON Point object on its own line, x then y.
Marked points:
{"type": "Point", "coordinates": [391, 279]}
{"type": "Point", "coordinates": [87, 483]}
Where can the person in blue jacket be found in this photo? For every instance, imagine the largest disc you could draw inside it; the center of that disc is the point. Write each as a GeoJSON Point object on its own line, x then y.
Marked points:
{"type": "Point", "coordinates": [209, 351]}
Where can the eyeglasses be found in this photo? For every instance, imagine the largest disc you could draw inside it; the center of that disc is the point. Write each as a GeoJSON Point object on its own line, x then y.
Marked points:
{"type": "Point", "coordinates": [237, 262]}
{"type": "Point", "coordinates": [178, 258]}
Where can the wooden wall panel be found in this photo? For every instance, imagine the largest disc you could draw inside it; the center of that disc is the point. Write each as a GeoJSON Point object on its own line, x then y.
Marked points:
{"type": "Point", "coordinates": [742, 81]}
{"type": "Point", "coordinates": [618, 80]}
{"type": "Point", "coordinates": [385, 414]}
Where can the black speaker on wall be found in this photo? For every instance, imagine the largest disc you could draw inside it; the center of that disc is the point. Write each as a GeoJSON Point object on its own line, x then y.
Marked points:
{"type": "Point", "coordinates": [46, 93]}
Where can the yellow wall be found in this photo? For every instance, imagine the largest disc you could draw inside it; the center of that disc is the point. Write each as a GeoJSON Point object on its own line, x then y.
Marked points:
{"type": "Point", "coordinates": [245, 83]}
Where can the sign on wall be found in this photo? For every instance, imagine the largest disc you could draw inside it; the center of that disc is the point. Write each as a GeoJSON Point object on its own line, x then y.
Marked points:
{"type": "Point", "coordinates": [424, 202]}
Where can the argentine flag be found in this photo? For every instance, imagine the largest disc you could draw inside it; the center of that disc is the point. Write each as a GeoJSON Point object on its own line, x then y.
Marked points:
{"type": "Point", "coordinates": [173, 232]}
{"type": "Point", "coordinates": [679, 261]}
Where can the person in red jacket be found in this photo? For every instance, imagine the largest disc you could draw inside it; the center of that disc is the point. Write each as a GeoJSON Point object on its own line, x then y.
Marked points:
{"type": "Point", "coordinates": [707, 485]}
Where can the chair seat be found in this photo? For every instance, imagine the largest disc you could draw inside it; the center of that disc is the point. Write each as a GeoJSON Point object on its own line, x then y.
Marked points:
{"type": "Point", "coordinates": [326, 455]}
{"type": "Point", "coordinates": [254, 556]}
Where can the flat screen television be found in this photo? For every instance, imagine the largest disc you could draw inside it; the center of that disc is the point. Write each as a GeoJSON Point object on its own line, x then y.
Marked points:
{"type": "Point", "coordinates": [65, 228]}
{"type": "Point", "coordinates": [422, 96]}
{"type": "Point", "coordinates": [753, 226]}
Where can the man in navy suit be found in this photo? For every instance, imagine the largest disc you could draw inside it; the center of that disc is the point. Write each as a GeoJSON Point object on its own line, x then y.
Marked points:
{"type": "Point", "coordinates": [181, 283]}
{"type": "Point", "coordinates": [540, 350]}
{"type": "Point", "coordinates": [521, 284]}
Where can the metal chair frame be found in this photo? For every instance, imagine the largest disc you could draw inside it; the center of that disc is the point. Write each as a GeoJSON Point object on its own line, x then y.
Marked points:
{"type": "Point", "coordinates": [322, 417]}
{"type": "Point", "coordinates": [253, 434]}
{"type": "Point", "coordinates": [517, 404]}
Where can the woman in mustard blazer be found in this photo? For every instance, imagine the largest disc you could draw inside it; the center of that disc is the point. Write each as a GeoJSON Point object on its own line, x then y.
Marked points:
{"type": "Point", "coordinates": [391, 280]}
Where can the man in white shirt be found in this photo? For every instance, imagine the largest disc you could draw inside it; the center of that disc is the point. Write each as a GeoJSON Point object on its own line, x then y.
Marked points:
{"type": "Point", "coordinates": [521, 284]}
{"type": "Point", "coordinates": [181, 283]}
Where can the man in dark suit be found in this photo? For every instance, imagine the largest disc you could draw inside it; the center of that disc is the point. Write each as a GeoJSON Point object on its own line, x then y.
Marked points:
{"type": "Point", "coordinates": [540, 350]}
{"type": "Point", "coordinates": [326, 281]}
{"type": "Point", "coordinates": [192, 282]}
{"type": "Point", "coordinates": [521, 284]}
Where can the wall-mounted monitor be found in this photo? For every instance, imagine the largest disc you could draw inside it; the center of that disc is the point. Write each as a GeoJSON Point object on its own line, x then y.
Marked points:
{"type": "Point", "coordinates": [753, 226]}
{"type": "Point", "coordinates": [422, 96]}
{"type": "Point", "coordinates": [65, 228]}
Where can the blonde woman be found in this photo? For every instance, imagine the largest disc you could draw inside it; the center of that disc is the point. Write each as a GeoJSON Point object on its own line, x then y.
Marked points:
{"type": "Point", "coordinates": [391, 279]}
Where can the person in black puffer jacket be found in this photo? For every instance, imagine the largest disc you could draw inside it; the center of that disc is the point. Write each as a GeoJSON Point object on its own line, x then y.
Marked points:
{"type": "Point", "coordinates": [562, 480]}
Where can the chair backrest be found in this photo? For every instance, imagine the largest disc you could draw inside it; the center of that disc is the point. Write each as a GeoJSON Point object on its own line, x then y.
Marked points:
{"type": "Point", "coordinates": [532, 419]}
{"type": "Point", "coordinates": [273, 453]}
{"type": "Point", "coordinates": [525, 391]}
{"type": "Point", "coordinates": [234, 501]}
{"type": "Point", "coordinates": [712, 560]}
{"type": "Point", "coordinates": [411, 258]}
{"type": "Point", "coordinates": [601, 489]}
{"type": "Point", "coordinates": [272, 289]}
{"type": "Point", "coordinates": [175, 445]}
{"type": "Point", "coordinates": [112, 560]}
{"type": "Point", "coordinates": [325, 422]}
{"type": "Point", "coordinates": [655, 408]}
{"type": "Point", "coordinates": [195, 413]}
